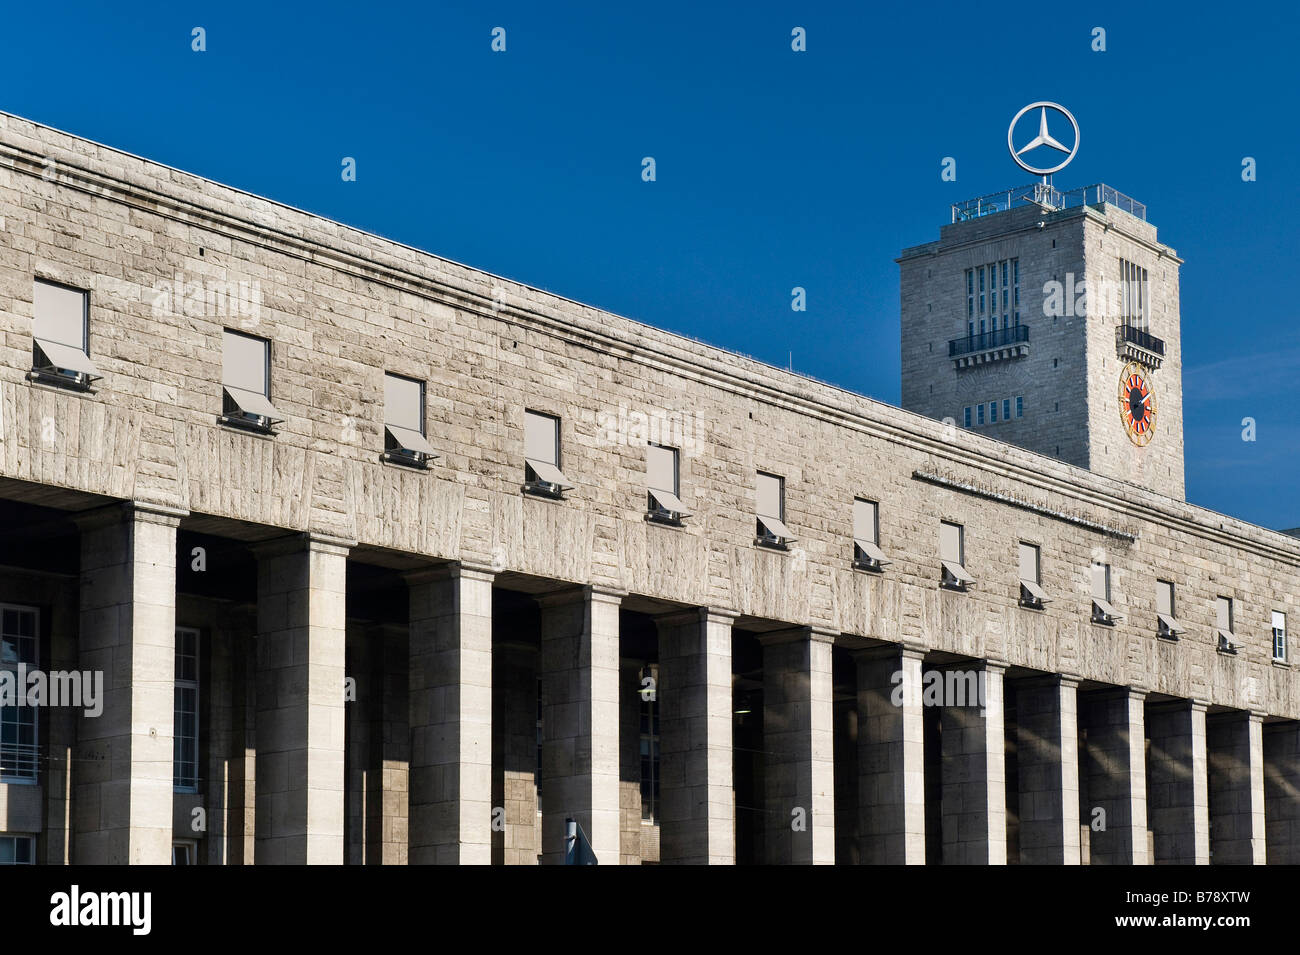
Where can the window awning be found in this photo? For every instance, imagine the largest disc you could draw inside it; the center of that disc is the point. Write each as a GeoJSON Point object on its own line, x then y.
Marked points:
{"type": "Point", "coordinates": [776, 527]}
{"type": "Point", "coordinates": [67, 357]}
{"type": "Point", "coordinates": [1105, 609]}
{"type": "Point", "coordinates": [1170, 624]}
{"type": "Point", "coordinates": [410, 440]}
{"type": "Point", "coordinates": [250, 402]}
{"type": "Point", "coordinates": [548, 472]}
{"type": "Point", "coordinates": [957, 572]}
{"type": "Point", "coordinates": [669, 502]}
{"type": "Point", "coordinates": [1035, 590]}
{"type": "Point", "coordinates": [871, 550]}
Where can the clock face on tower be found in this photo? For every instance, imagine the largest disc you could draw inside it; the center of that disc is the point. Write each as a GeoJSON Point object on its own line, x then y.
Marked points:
{"type": "Point", "coordinates": [1137, 404]}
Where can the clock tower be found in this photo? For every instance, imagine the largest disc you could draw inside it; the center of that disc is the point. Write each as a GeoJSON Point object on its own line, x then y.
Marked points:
{"type": "Point", "coordinates": [1050, 320]}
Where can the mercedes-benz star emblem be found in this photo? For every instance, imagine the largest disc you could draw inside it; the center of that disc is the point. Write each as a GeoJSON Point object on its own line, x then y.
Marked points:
{"type": "Point", "coordinates": [1044, 138]}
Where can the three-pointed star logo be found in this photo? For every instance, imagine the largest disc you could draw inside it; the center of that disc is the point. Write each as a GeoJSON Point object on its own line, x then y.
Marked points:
{"type": "Point", "coordinates": [1044, 138]}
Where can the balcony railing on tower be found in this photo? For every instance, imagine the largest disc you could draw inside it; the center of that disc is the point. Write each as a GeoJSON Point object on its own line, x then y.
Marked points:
{"type": "Point", "coordinates": [988, 341]}
{"type": "Point", "coordinates": [1137, 344]}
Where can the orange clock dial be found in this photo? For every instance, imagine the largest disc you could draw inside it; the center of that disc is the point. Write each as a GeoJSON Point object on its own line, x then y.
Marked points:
{"type": "Point", "coordinates": [1137, 404]}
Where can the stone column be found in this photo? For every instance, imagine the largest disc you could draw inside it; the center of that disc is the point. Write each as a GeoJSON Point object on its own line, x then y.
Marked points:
{"type": "Point", "coordinates": [697, 821]}
{"type": "Point", "coordinates": [1047, 747]}
{"type": "Point", "coordinates": [122, 777]}
{"type": "Point", "coordinates": [1177, 787]}
{"type": "Point", "coordinates": [798, 744]}
{"type": "Point", "coordinates": [974, 768]}
{"type": "Point", "coordinates": [1235, 747]}
{"type": "Point", "coordinates": [579, 670]}
{"type": "Point", "coordinates": [1115, 761]}
{"type": "Point", "coordinates": [514, 731]}
{"type": "Point", "coordinates": [891, 756]}
{"type": "Point", "coordinates": [301, 662]}
{"type": "Point", "coordinates": [450, 695]}
{"type": "Point", "coordinates": [1282, 792]}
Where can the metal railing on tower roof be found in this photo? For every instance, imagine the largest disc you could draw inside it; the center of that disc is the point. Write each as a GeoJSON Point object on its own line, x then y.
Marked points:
{"type": "Point", "coordinates": [1047, 197]}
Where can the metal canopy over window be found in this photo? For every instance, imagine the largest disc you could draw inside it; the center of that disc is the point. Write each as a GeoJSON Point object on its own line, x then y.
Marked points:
{"type": "Point", "coordinates": [404, 413]}
{"type": "Point", "coordinates": [866, 531]}
{"type": "Point", "coordinates": [542, 448]}
{"type": "Point", "coordinates": [770, 505]}
{"type": "Point", "coordinates": [661, 478]}
{"type": "Point", "coordinates": [246, 373]}
{"type": "Point", "coordinates": [59, 328]}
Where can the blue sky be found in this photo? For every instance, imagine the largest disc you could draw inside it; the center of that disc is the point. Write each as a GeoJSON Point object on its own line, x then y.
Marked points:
{"type": "Point", "coordinates": [775, 169]}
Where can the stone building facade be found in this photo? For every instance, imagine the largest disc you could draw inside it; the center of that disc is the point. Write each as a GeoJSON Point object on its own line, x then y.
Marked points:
{"type": "Point", "coordinates": [373, 655]}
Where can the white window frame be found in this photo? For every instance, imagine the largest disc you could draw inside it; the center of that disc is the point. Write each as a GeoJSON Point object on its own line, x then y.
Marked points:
{"type": "Point", "coordinates": [953, 573]}
{"type": "Point", "coordinates": [405, 437]}
{"type": "Point", "coordinates": [179, 784]}
{"type": "Point", "coordinates": [771, 530]}
{"type": "Point", "coordinates": [867, 554]}
{"type": "Point", "coordinates": [190, 849]}
{"type": "Point", "coordinates": [1102, 611]}
{"type": "Point", "coordinates": [55, 358]}
{"type": "Point", "coordinates": [242, 405]}
{"type": "Point", "coordinates": [662, 502]}
{"type": "Point", "coordinates": [1279, 636]}
{"type": "Point", "coordinates": [14, 838]}
{"type": "Point", "coordinates": [24, 757]}
{"type": "Point", "coordinates": [542, 474]}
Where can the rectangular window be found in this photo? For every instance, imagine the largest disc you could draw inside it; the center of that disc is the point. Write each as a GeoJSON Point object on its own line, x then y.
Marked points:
{"type": "Point", "coordinates": [183, 853]}
{"type": "Point", "coordinates": [19, 725]}
{"type": "Point", "coordinates": [993, 412]}
{"type": "Point", "coordinates": [1133, 281]}
{"type": "Point", "coordinates": [966, 415]}
{"type": "Point", "coordinates": [60, 335]}
{"type": "Point", "coordinates": [952, 556]}
{"type": "Point", "coordinates": [404, 434]}
{"type": "Point", "coordinates": [1006, 409]}
{"type": "Point", "coordinates": [867, 554]}
{"type": "Point", "coordinates": [1223, 624]}
{"type": "Point", "coordinates": [1031, 580]}
{"type": "Point", "coordinates": [542, 472]}
{"type": "Point", "coordinates": [17, 850]}
{"type": "Point", "coordinates": [185, 738]}
{"type": "Point", "coordinates": [1102, 611]}
{"type": "Point", "coordinates": [770, 510]}
{"type": "Point", "coordinates": [1020, 407]}
{"type": "Point", "coordinates": [246, 382]}
{"type": "Point", "coordinates": [649, 748]}
{"type": "Point", "coordinates": [662, 482]}
{"type": "Point", "coordinates": [979, 414]}
{"type": "Point", "coordinates": [1167, 624]}
{"type": "Point", "coordinates": [1279, 636]}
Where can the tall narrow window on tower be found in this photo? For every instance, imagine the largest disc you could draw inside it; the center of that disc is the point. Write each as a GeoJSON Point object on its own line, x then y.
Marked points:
{"type": "Point", "coordinates": [1134, 307]}
{"type": "Point", "coordinates": [992, 304]}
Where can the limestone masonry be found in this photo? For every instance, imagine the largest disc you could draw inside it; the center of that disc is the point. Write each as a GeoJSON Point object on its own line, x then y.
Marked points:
{"type": "Point", "coordinates": [323, 644]}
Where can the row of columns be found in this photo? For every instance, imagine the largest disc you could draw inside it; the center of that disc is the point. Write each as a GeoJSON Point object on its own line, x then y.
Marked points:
{"type": "Point", "coordinates": [123, 783]}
